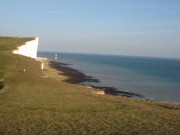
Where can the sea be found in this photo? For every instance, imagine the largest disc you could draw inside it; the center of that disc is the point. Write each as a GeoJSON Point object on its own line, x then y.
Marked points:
{"type": "Point", "coordinates": [153, 78]}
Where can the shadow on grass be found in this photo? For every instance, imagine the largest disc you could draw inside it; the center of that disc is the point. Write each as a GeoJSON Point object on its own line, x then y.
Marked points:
{"type": "Point", "coordinates": [1, 84]}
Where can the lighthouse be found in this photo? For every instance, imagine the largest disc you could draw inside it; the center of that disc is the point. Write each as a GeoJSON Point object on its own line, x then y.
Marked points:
{"type": "Point", "coordinates": [55, 57]}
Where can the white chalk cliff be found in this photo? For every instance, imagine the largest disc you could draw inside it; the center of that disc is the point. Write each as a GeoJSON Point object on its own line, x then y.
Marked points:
{"type": "Point", "coordinates": [29, 49]}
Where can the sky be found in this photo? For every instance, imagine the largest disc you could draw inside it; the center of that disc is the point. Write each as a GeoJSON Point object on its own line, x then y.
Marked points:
{"type": "Point", "coordinates": [118, 27]}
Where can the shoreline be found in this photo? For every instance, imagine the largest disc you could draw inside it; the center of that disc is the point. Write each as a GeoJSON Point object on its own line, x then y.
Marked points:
{"type": "Point", "coordinates": [74, 76]}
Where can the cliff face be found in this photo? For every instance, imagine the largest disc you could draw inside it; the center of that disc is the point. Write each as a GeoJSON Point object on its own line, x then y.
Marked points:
{"type": "Point", "coordinates": [29, 49]}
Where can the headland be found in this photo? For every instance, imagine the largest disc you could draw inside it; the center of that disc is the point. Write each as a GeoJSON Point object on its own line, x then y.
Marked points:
{"type": "Point", "coordinates": [38, 101]}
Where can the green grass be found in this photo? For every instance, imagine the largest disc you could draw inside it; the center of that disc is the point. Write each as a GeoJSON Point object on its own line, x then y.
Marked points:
{"type": "Point", "coordinates": [7, 60]}
{"type": "Point", "coordinates": [31, 104]}
{"type": "Point", "coordinates": [9, 43]}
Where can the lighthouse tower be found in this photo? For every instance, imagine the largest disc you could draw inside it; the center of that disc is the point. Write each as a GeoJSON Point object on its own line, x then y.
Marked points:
{"type": "Point", "coordinates": [55, 57]}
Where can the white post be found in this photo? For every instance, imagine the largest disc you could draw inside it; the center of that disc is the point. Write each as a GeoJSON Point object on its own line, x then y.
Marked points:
{"type": "Point", "coordinates": [42, 66]}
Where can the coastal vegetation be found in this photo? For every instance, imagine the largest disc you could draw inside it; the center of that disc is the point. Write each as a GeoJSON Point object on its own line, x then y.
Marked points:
{"type": "Point", "coordinates": [37, 102]}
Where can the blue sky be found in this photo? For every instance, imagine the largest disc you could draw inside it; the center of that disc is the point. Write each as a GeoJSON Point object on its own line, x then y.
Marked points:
{"type": "Point", "coordinates": [120, 27]}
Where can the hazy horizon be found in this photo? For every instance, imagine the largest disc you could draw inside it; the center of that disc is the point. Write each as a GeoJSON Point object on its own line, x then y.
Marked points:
{"type": "Point", "coordinates": [117, 27]}
{"type": "Point", "coordinates": [106, 54]}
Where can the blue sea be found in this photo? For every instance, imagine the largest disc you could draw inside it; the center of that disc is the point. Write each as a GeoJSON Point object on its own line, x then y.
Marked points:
{"type": "Point", "coordinates": [154, 78]}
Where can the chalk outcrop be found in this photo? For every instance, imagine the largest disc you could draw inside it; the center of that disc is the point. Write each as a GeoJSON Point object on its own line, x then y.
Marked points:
{"type": "Point", "coordinates": [29, 49]}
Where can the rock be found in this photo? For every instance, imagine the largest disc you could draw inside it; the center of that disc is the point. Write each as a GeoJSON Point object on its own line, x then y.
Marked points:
{"type": "Point", "coordinates": [99, 92]}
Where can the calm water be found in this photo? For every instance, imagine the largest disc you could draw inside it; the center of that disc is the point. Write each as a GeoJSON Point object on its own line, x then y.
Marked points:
{"type": "Point", "coordinates": [154, 78]}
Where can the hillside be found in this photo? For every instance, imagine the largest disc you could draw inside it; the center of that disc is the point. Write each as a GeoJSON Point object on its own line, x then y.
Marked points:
{"type": "Point", "coordinates": [31, 103]}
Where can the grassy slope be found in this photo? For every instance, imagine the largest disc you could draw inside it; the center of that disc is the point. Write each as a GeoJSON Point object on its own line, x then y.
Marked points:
{"type": "Point", "coordinates": [31, 104]}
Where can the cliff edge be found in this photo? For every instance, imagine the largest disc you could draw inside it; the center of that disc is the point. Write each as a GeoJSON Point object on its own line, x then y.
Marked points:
{"type": "Point", "coordinates": [29, 49]}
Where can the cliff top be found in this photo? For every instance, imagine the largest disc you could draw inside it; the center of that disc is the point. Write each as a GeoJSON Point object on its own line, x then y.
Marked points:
{"type": "Point", "coordinates": [11, 43]}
